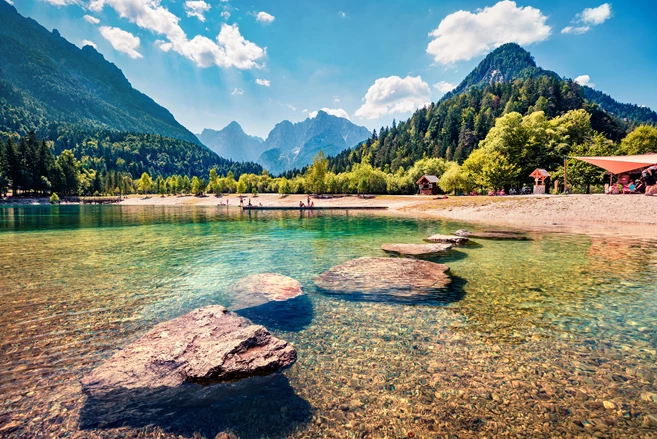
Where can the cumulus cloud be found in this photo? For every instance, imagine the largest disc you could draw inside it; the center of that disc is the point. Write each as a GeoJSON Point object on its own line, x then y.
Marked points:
{"type": "Point", "coordinates": [89, 43]}
{"type": "Point", "coordinates": [587, 18]}
{"type": "Point", "coordinates": [122, 41]}
{"type": "Point", "coordinates": [230, 49]}
{"type": "Point", "coordinates": [237, 91]}
{"type": "Point", "coordinates": [196, 8]}
{"type": "Point", "coordinates": [90, 19]}
{"type": "Point", "coordinates": [463, 35]}
{"type": "Point", "coordinates": [338, 112]}
{"type": "Point", "coordinates": [444, 87]}
{"type": "Point", "coordinates": [584, 80]}
{"type": "Point", "coordinates": [264, 17]}
{"type": "Point", "coordinates": [394, 95]}
{"type": "Point", "coordinates": [263, 82]}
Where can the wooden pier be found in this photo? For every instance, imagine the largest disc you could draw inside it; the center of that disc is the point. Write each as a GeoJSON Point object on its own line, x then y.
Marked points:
{"type": "Point", "coordinates": [322, 208]}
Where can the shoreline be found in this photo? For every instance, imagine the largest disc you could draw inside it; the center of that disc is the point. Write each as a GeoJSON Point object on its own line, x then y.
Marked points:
{"type": "Point", "coordinates": [620, 215]}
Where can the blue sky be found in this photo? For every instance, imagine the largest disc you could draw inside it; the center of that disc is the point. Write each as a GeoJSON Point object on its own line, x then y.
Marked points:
{"type": "Point", "coordinates": [369, 60]}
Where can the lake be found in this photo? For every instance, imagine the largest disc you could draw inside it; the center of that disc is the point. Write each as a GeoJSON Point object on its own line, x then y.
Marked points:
{"type": "Point", "coordinates": [550, 337]}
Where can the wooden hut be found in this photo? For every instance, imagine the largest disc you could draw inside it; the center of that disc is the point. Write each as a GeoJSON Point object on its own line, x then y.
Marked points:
{"type": "Point", "coordinates": [428, 185]}
{"type": "Point", "coordinates": [539, 176]}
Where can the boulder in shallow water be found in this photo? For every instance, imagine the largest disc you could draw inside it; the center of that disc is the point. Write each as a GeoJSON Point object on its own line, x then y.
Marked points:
{"type": "Point", "coordinates": [208, 345]}
{"type": "Point", "coordinates": [416, 249]}
{"type": "Point", "coordinates": [259, 289]}
{"type": "Point", "coordinates": [494, 234]}
{"type": "Point", "coordinates": [399, 278]}
{"type": "Point", "coordinates": [448, 239]}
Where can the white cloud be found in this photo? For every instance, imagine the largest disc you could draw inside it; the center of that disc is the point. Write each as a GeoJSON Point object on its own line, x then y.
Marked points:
{"type": "Point", "coordinates": [575, 29]}
{"type": "Point", "coordinates": [10, 2]}
{"type": "Point", "coordinates": [264, 17]}
{"type": "Point", "coordinates": [263, 82]}
{"type": "Point", "coordinates": [121, 41]}
{"type": "Point", "coordinates": [229, 50]}
{"type": "Point", "coordinates": [596, 16]}
{"type": "Point", "coordinates": [587, 18]}
{"type": "Point", "coordinates": [584, 80]}
{"type": "Point", "coordinates": [463, 35]}
{"type": "Point", "coordinates": [394, 95]}
{"type": "Point", "coordinates": [444, 87]}
{"type": "Point", "coordinates": [336, 100]}
{"type": "Point", "coordinates": [60, 2]}
{"type": "Point", "coordinates": [305, 110]}
{"type": "Point", "coordinates": [89, 43]}
{"type": "Point", "coordinates": [338, 112]}
{"type": "Point", "coordinates": [90, 19]}
{"type": "Point", "coordinates": [225, 15]}
{"type": "Point", "coordinates": [291, 107]}
{"type": "Point", "coordinates": [196, 8]}
{"type": "Point", "coordinates": [342, 14]}
{"type": "Point", "coordinates": [237, 91]}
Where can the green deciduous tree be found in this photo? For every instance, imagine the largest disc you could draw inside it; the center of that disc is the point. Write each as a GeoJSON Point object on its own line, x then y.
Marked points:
{"type": "Point", "coordinates": [640, 141]}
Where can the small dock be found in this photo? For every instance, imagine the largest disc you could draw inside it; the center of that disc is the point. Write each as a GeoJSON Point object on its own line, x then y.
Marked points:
{"type": "Point", "coordinates": [322, 208]}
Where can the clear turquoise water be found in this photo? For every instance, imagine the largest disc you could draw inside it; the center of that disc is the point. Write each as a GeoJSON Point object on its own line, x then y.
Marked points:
{"type": "Point", "coordinates": [530, 341]}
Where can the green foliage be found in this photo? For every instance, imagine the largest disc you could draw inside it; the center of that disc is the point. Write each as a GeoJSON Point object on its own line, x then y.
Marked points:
{"type": "Point", "coordinates": [454, 180]}
{"type": "Point", "coordinates": [241, 187]}
{"type": "Point", "coordinates": [640, 141]}
{"type": "Point", "coordinates": [54, 198]}
{"type": "Point", "coordinates": [316, 174]}
{"type": "Point", "coordinates": [507, 81]}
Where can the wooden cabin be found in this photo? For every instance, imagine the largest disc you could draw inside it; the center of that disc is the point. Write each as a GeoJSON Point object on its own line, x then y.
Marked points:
{"type": "Point", "coordinates": [428, 185]}
{"type": "Point", "coordinates": [539, 175]}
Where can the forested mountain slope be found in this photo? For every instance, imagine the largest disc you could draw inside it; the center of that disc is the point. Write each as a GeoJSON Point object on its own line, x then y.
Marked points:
{"type": "Point", "coordinates": [506, 81]}
{"type": "Point", "coordinates": [46, 80]}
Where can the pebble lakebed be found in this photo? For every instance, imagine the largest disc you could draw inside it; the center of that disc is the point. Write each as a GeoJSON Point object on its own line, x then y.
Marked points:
{"type": "Point", "coordinates": [552, 337]}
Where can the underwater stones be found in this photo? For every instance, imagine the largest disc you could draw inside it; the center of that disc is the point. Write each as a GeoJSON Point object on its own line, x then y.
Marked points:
{"type": "Point", "coordinates": [493, 234]}
{"type": "Point", "coordinates": [448, 239]}
{"type": "Point", "coordinates": [258, 289]}
{"type": "Point", "coordinates": [416, 249]}
{"type": "Point", "coordinates": [400, 278]}
{"type": "Point", "coordinates": [206, 346]}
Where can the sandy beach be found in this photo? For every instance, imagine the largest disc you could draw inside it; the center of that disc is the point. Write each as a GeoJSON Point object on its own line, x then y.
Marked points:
{"type": "Point", "coordinates": [622, 214]}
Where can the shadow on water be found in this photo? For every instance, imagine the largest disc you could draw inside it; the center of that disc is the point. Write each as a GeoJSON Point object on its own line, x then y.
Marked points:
{"type": "Point", "coordinates": [454, 292]}
{"type": "Point", "coordinates": [291, 315]}
{"type": "Point", "coordinates": [252, 408]}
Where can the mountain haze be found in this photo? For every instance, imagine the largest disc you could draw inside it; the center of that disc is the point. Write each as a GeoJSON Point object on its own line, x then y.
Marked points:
{"type": "Point", "coordinates": [233, 143]}
{"type": "Point", "coordinates": [293, 146]}
{"type": "Point", "coordinates": [45, 79]}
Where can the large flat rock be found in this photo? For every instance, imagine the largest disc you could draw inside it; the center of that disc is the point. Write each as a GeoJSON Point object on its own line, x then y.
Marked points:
{"type": "Point", "coordinates": [259, 289]}
{"type": "Point", "coordinates": [494, 234]}
{"type": "Point", "coordinates": [416, 249]}
{"type": "Point", "coordinates": [400, 278]}
{"type": "Point", "coordinates": [448, 239]}
{"type": "Point", "coordinates": [208, 345]}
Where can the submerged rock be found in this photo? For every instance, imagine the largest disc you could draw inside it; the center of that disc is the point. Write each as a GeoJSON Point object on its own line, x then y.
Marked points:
{"type": "Point", "coordinates": [493, 234]}
{"type": "Point", "coordinates": [416, 249]}
{"type": "Point", "coordinates": [400, 278]}
{"type": "Point", "coordinates": [208, 345]}
{"type": "Point", "coordinates": [449, 239]}
{"type": "Point", "coordinates": [259, 289]}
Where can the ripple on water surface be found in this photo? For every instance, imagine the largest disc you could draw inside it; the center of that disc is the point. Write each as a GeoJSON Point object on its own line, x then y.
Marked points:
{"type": "Point", "coordinates": [546, 337]}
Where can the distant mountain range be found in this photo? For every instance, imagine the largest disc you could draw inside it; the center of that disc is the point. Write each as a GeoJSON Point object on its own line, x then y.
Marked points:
{"type": "Point", "coordinates": [46, 79]}
{"type": "Point", "coordinates": [233, 143]}
{"type": "Point", "coordinates": [506, 80]}
{"type": "Point", "coordinates": [289, 145]}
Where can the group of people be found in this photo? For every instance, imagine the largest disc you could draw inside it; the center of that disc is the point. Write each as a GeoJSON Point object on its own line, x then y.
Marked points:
{"type": "Point", "coordinates": [310, 203]}
{"type": "Point", "coordinates": [646, 184]}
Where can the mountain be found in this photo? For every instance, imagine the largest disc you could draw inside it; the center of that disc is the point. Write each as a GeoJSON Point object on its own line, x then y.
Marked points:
{"type": "Point", "coordinates": [233, 143]}
{"type": "Point", "coordinates": [44, 79]}
{"type": "Point", "coordinates": [507, 80]}
{"type": "Point", "coordinates": [293, 146]}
